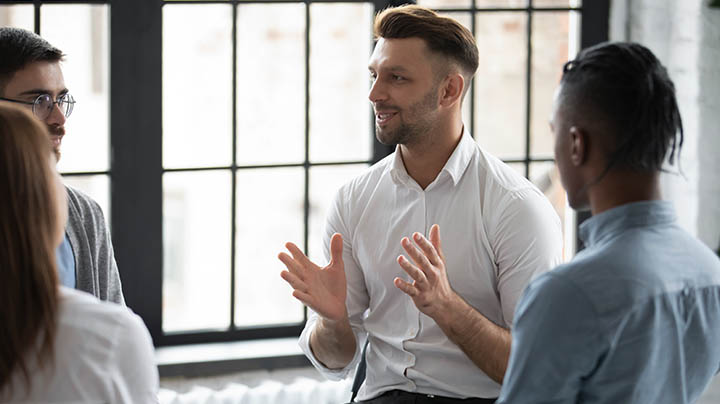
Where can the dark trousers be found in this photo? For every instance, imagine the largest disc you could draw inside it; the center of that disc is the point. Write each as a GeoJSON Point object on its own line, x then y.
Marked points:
{"type": "Point", "coordinates": [404, 397]}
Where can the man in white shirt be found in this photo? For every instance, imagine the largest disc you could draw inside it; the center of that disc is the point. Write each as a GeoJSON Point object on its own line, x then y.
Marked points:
{"type": "Point", "coordinates": [439, 322]}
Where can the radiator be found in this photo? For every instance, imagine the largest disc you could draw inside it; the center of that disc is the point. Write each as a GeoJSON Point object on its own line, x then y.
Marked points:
{"type": "Point", "coordinates": [299, 391]}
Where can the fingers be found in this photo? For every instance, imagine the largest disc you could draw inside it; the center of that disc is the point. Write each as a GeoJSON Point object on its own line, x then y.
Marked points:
{"type": "Point", "coordinates": [295, 281]}
{"type": "Point", "coordinates": [303, 297]}
{"type": "Point", "coordinates": [336, 248]}
{"type": "Point", "coordinates": [292, 265]}
{"type": "Point", "coordinates": [406, 287]}
{"type": "Point", "coordinates": [427, 248]}
{"type": "Point", "coordinates": [297, 253]}
{"type": "Point", "coordinates": [421, 281]}
{"type": "Point", "coordinates": [435, 240]}
{"type": "Point", "coordinates": [419, 258]}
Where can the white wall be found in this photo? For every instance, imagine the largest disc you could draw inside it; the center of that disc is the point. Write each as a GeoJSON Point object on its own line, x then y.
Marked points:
{"type": "Point", "coordinates": [685, 36]}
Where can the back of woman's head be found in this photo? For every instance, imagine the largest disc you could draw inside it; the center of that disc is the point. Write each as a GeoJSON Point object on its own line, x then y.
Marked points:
{"type": "Point", "coordinates": [29, 222]}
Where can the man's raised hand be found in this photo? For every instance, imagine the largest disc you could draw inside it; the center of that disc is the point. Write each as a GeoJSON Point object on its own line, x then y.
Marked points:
{"type": "Point", "coordinates": [322, 289]}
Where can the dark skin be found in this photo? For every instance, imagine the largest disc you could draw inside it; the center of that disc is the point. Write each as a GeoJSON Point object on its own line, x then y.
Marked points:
{"type": "Point", "coordinates": [583, 145]}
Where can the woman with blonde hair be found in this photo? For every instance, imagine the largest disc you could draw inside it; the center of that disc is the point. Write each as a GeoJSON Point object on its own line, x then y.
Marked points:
{"type": "Point", "coordinates": [57, 345]}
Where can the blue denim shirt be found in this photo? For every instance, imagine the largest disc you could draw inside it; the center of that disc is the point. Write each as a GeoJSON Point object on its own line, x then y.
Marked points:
{"type": "Point", "coordinates": [633, 318]}
{"type": "Point", "coordinates": [66, 264]}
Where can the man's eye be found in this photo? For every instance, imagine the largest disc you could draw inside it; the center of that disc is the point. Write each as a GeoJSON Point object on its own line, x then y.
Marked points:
{"type": "Point", "coordinates": [395, 77]}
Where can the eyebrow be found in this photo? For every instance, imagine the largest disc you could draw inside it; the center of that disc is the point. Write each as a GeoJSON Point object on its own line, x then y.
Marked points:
{"type": "Point", "coordinates": [40, 91]}
{"type": "Point", "coordinates": [394, 69]}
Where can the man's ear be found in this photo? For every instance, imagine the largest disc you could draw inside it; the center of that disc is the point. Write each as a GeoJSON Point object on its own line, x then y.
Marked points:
{"type": "Point", "coordinates": [579, 146]}
{"type": "Point", "coordinates": [452, 89]}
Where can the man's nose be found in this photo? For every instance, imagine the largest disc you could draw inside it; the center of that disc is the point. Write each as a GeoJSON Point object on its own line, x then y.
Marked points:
{"type": "Point", "coordinates": [56, 116]}
{"type": "Point", "coordinates": [377, 92]}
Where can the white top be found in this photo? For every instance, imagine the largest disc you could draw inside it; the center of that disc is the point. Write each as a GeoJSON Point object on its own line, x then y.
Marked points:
{"type": "Point", "coordinates": [103, 354]}
{"type": "Point", "coordinates": [498, 231]}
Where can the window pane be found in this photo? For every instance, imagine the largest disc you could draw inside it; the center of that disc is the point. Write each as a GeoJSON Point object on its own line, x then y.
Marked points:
{"type": "Point", "coordinates": [500, 83]}
{"type": "Point", "coordinates": [550, 41]}
{"type": "Point", "coordinates": [271, 83]}
{"type": "Point", "coordinates": [197, 85]}
{"type": "Point", "coordinates": [85, 42]}
{"type": "Point", "coordinates": [500, 3]}
{"type": "Point", "coordinates": [270, 206]}
{"type": "Point", "coordinates": [341, 43]}
{"type": "Point", "coordinates": [196, 250]}
{"type": "Point", "coordinates": [519, 167]}
{"type": "Point", "coordinates": [324, 183]}
{"type": "Point", "coordinates": [557, 3]}
{"type": "Point", "coordinates": [21, 16]}
{"type": "Point", "coordinates": [445, 3]}
{"type": "Point", "coordinates": [97, 186]}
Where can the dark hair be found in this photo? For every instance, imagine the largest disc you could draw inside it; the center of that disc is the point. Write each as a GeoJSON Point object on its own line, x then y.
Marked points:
{"type": "Point", "coordinates": [626, 86]}
{"type": "Point", "coordinates": [28, 228]}
{"type": "Point", "coordinates": [19, 48]}
{"type": "Point", "coordinates": [442, 35]}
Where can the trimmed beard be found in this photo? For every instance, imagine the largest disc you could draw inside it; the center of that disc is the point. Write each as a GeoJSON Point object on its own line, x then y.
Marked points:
{"type": "Point", "coordinates": [411, 132]}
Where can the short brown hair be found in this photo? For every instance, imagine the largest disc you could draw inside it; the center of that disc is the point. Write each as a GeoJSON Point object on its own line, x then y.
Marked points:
{"type": "Point", "coordinates": [442, 35]}
{"type": "Point", "coordinates": [19, 48]}
{"type": "Point", "coordinates": [28, 227]}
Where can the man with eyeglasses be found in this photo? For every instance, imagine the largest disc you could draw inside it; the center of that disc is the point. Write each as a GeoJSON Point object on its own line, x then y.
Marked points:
{"type": "Point", "coordinates": [30, 75]}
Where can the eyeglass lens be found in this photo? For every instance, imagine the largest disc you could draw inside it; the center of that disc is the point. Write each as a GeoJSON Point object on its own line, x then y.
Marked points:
{"type": "Point", "coordinates": [44, 105]}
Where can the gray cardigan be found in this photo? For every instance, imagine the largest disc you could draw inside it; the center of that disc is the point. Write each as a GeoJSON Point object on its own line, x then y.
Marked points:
{"type": "Point", "coordinates": [95, 269]}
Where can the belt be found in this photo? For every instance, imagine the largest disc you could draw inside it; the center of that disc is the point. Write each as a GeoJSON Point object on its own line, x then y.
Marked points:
{"type": "Point", "coordinates": [405, 397]}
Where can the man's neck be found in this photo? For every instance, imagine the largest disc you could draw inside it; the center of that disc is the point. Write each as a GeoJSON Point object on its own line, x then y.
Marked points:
{"type": "Point", "coordinates": [623, 187]}
{"type": "Point", "coordinates": [424, 161]}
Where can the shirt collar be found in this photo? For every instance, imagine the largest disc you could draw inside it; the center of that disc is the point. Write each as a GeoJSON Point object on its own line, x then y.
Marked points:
{"type": "Point", "coordinates": [616, 220]}
{"type": "Point", "coordinates": [455, 166]}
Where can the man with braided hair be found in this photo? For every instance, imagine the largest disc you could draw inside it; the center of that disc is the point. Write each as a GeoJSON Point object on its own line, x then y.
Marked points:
{"type": "Point", "coordinates": [635, 316]}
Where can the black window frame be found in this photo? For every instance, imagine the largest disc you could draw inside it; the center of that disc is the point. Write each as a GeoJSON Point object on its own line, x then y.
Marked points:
{"type": "Point", "coordinates": [136, 168]}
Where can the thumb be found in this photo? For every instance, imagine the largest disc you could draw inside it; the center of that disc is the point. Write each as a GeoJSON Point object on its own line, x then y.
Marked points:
{"type": "Point", "coordinates": [336, 248]}
{"type": "Point", "coordinates": [435, 239]}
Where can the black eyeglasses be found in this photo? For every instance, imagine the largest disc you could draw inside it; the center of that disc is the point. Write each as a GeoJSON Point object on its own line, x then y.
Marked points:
{"type": "Point", "coordinates": [43, 105]}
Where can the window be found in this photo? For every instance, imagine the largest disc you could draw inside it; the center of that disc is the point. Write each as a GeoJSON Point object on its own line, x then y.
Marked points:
{"type": "Point", "coordinates": [233, 123]}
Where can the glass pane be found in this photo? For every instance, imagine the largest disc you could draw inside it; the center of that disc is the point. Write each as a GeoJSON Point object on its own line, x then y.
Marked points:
{"type": "Point", "coordinates": [500, 3]}
{"type": "Point", "coordinates": [270, 206]}
{"type": "Point", "coordinates": [21, 16]}
{"type": "Point", "coordinates": [324, 183]}
{"type": "Point", "coordinates": [197, 85]}
{"type": "Point", "coordinates": [196, 250]}
{"type": "Point", "coordinates": [85, 145]}
{"type": "Point", "coordinates": [96, 186]}
{"type": "Point", "coordinates": [557, 3]}
{"type": "Point", "coordinates": [445, 3]}
{"type": "Point", "coordinates": [271, 83]}
{"type": "Point", "coordinates": [543, 175]}
{"type": "Point", "coordinates": [550, 42]}
{"type": "Point", "coordinates": [340, 39]}
{"type": "Point", "coordinates": [500, 83]}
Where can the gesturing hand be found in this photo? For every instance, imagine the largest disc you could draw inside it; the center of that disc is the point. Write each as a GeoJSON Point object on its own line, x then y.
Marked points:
{"type": "Point", "coordinates": [322, 289]}
{"type": "Point", "coordinates": [430, 289]}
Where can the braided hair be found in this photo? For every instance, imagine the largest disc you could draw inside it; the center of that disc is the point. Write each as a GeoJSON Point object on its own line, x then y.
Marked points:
{"type": "Point", "coordinates": [627, 87]}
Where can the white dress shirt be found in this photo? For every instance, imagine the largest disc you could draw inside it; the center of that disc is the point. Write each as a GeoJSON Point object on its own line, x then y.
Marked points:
{"type": "Point", "coordinates": [102, 354]}
{"type": "Point", "coordinates": [497, 230]}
